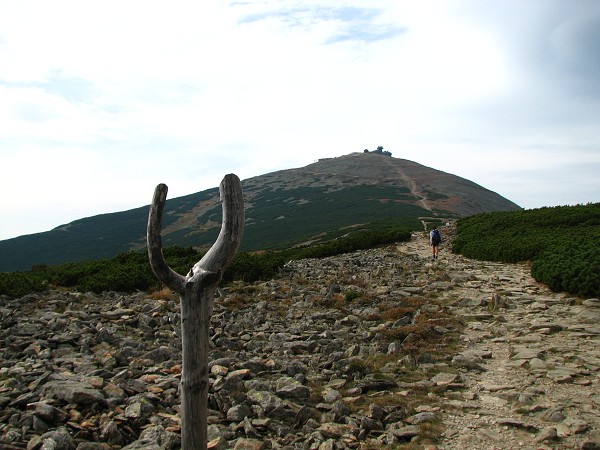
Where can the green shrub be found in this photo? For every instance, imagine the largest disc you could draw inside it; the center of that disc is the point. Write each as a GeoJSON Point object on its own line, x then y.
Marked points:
{"type": "Point", "coordinates": [572, 266]}
{"type": "Point", "coordinates": [251, 267]}
{"type": "Point", "coordinates": [351, 295]}
{"type": "Point", "coordinates": [17, 284]}
{"type": "Point", "coordinates": [562, 242]}
{"type": "Point", "coordinates": [360, 240]}
{"type": "Point", "coordinates": [130, 271]}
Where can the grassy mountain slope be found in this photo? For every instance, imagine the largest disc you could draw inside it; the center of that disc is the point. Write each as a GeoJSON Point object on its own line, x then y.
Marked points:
{"type": "Point", "coordinates": [283, 208]}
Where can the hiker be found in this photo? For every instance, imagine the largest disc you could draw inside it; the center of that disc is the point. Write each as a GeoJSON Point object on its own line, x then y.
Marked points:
{"type": "Point", "coordinates": [434, 240]}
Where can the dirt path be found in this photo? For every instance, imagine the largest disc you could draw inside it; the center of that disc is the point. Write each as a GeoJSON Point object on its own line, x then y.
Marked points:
{"type": "Point", "coordinates": [530, 368]}
{"type": "Point", "coordinates": [413, 188]}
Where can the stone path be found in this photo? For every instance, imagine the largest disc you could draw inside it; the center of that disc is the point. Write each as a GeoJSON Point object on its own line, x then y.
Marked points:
{"type": "Point", "coordinates": [531, 360]}
{"type": "Point", "coordinates": [379, 349]}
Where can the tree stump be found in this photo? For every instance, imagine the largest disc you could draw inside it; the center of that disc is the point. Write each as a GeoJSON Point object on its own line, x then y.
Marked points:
{"type": "Point", "coordinates": [196, 291]}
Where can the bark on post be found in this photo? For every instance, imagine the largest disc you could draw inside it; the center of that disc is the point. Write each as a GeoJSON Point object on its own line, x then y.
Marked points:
{"type": "Point", "coordinates": [196, 291]}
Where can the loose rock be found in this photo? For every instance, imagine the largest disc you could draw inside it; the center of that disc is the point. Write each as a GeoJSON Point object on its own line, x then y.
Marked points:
{"type": "Point", "coordinates": [376, 348]}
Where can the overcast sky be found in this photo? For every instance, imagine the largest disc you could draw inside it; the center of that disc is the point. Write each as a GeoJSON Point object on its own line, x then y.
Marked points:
{"type": "Point", "coordinates": [102, 100]}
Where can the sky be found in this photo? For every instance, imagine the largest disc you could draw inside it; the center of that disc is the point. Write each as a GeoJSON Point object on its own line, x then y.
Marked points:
{"type": "Point", "coordinates": [100, 101]}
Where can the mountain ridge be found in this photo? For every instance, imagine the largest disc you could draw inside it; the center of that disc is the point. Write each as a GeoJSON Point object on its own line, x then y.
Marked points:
{"type": "Point", "coordinates": [283, 208]}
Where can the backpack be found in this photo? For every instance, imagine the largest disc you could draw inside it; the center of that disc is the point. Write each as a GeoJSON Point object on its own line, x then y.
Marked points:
{"type": "Point", "coordinates": [436, 237]}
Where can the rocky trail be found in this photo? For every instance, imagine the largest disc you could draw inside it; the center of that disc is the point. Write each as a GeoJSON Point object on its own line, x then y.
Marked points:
{"type": "Point", "coordinates": [384, 348]}
{"type": "Point", "coordinates": [532, 359]}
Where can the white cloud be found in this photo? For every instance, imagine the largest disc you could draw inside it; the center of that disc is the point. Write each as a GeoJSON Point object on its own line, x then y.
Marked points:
{"type": "Point", "coordinates": [104, 100]}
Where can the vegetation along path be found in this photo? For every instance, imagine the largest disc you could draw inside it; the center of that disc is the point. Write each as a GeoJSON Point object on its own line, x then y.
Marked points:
{"type": "Point", "coordinates": [529, 372]}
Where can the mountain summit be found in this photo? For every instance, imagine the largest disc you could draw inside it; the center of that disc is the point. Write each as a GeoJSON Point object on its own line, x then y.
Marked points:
{"type": "Point", "coordinates": [283, 208]}
{"type": "Point", "coordinates": [433, 190]}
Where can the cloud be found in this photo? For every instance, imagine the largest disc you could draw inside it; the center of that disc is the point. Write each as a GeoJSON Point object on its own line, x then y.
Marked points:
{"type": "Point", "coordinates": [574, 45]}
{"type": "Point", "coordinates": [348, 23]}
{"type": "Point", "coordinates": [124, 95]}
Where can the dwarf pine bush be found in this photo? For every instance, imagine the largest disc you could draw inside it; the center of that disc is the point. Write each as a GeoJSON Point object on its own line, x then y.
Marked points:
{"type": "Point", "coordinates": [130, 271]}
{"type": "Point", "coordinates": [563, 244]}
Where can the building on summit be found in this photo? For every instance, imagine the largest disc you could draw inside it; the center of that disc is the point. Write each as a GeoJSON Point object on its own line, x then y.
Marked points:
{"type": "Point", "coordinates": [379, 151]}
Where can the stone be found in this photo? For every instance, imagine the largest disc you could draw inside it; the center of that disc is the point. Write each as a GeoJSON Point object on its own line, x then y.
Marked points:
{"type": "Point", "coordinates": [412, 338]}
{"type": "Point", "coordinates": [562, 375]}
{"type": "Point", "coordinates": [376, 411]}
{"type": "Point", "coordinates": [139, 408]}
{"type": "Point", "coordinates": [591, 303]}
{"type": "Point", "coordinates": [287, 387]}
{"type": "Point", "coordinates": [404, 432]}
{"type": "Point", "coordinates": [553, 415]}
{"type": "Point", "coordinates": [369, 424]}
{"type": "Point", "coordinates": [58, 439]}
{"type": "Point", "coordinates": [238, 413]}
{"type": "Point", "coordinates": [527, 353]}
{"type": "Point", "coordinates": [110, 433]}
{"type": "Point", "coordinates": [48, 413]}
{"type": "Point", "coordinates": [376, 382]}
{"type": "Point", "coordinates": [73, 392]}
{"type": "Point", "coordinates": [547, 434]}
{"type": "Point", "coordinates": [142, 444]}
{"type": "Point", "coordinates": [330, 395]}
{"type": "Point", "coordinates": [517, 423]}
{"type": "Point", "coordinates": [217, 444]}
{"type": "Point", "coordinates": [165, 438]}
{"type": "Point", "coordinates": [34, 443]}
{"type": "Point", "coordinates": [497, 302]}
{"type": "Point", "coordinates": [292, 365]}
{"type": "Point", "coordinates": [340, 410]}
{"type": "Point", "coordinates": [93, 446]}
{"type": "Point", "coordinates": [249, 444]}
{"type": "Point", "coordinates": [217, 369]}
{"type": "Point", "coordinates": [491, 434]}
{"type": "Point", "coordinates": [496, 387]}
{"type": "Point", "coordinates": [329, 444]}
{"type": "Point", "coordinates": [468, 362]}
{"type": "Point", "coordinates": [444, 379]}
{"type": "Point", "coordinates": [421, 417]}
{"type": "Point", "coordinates": [336, 430]}
{"type": "Point", "coordinates": [394, 348]}
{"type": "Point", "coordinates": [537, 364]}
{"type": "Point", "coordinates": [576, 426]}
{"type": "Point", "coordinates": [268, 401]}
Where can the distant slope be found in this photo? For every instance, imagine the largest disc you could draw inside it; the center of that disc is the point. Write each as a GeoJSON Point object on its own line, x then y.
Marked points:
{"type": "Point", "coordinates": [431, 189]}
{"type": "Point", "coordinates": [283, 208]}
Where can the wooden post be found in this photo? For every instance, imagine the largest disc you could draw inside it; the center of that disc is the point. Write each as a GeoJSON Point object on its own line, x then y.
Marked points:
{"type": "Point", "coordinates": [196, 291]}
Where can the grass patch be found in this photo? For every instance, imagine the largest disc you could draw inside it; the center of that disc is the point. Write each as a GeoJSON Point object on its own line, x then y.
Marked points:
{"type": "Point", "coordinates": [351, 295]}
{"type": "Point", "coordinates": [162, 294]}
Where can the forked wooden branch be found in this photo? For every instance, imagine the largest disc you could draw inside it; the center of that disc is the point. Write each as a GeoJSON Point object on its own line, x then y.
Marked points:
{"type": "Point", "coordinates": [155, 254]}
{"type": "Point", "coordinates": [196, 291]}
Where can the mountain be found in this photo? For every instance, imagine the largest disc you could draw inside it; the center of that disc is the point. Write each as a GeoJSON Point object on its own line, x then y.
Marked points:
{"type": "Point", "coordinates": [283, 208]}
